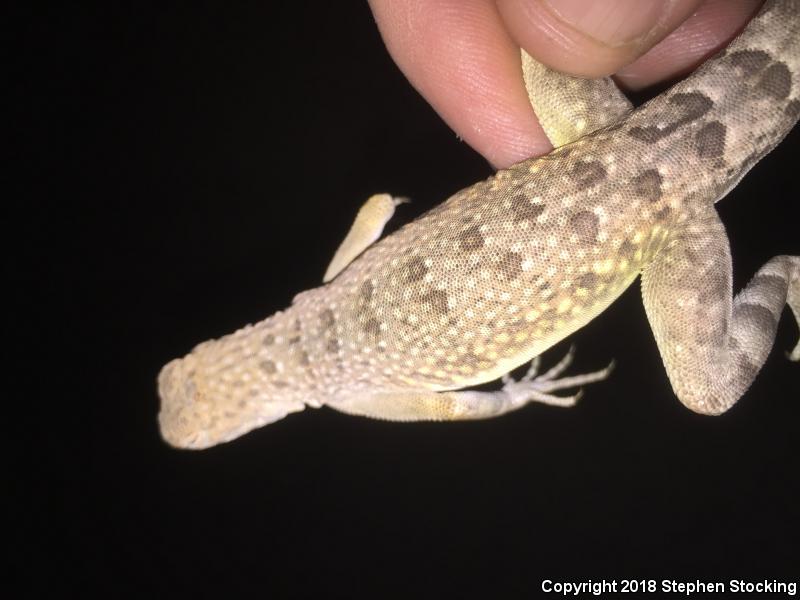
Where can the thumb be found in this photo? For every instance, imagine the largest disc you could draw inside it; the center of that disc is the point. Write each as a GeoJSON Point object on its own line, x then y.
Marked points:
{"type": "Point", "coordinates": [591, 38]}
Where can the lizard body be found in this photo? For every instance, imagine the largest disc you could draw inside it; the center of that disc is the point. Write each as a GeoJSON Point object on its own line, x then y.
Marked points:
{"type": "Point", "coordinates": [508, 267]}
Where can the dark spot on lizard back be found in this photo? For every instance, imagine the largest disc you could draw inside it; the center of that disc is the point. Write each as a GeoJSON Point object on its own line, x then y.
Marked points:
{"type": "Point", "coordinates": [547, 319]}
{"type": "Point", "coordinates": [510, 266]}
{"type": "Point", "coordinates": [415, 270]}
{"type": "Point", "coordinates": [268, 367]}
{"type": "Point", "coordinates": [663, 215]}
{"type": "Point", "coordinates": [471, 239]}
{"type": "Point", "coordinates": [774, 283]}
{"type": "Point", "coordinates": [776, 81]}
{"type": "Point", "coordinates": [716, 291]}
{"type": "Point", "coordinates": [524, 210]}
{"type": "Point", "coordinates": [647, 184]}
{"type": "Point", "coordinates": [714, 332]}
{"type": "Point", "coordinates": [626, 250]}
{"type": "Point", "coordinates": [745, 370]}
{"type": "Point", "coordinates": [365, 293]}
{"type": "Point", "coordinates": [710, 140]}
{"type": "Point", "coordinates": [586, 225]}
{"type": "Point", "coordinates": [691, 106]}
{"type": "Point", "coordinates": [749, 61]}
{"type": "Point", "coordinates": [588, 173]}
{"type": "Point", "coordinates": [372, 328]}
{"type": "Point", "coordinates": [792, 109]}
{"type": "Point", "coordinates": [326, 318]}
{"type": "Point", "coordinates": [761, 317]}
{"type": "Point", "coordinates": [436, 300]}
{"type": "Point", "coordinates": [268, 340]}
{"type": "Point", "coordinates": [587, 281]}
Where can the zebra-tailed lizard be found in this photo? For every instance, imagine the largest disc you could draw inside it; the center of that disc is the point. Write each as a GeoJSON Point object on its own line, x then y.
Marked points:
{"type": "Point", "coordinates": [506, 268]}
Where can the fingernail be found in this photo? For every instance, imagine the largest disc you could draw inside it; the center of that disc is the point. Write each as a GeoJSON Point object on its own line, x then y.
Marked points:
{"type": "Point", "coordinates": [611, 22]}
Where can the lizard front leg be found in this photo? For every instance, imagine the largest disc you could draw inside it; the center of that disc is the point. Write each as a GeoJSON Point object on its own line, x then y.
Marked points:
{"type": "Point", "coordinates": [713, 346]}
{"type": "Point", "coordinates": [367, 227]}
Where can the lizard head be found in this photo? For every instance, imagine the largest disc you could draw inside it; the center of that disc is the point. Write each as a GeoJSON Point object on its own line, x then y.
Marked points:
{"type": "Point", "coordinates": [206, 399]}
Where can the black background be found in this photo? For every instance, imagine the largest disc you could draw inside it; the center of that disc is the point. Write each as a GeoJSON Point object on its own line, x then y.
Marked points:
{"type": "Point", "coordinates": [176, 174]}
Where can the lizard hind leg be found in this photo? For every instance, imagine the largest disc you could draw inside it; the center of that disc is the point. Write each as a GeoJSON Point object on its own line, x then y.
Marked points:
{"type": "Point", "coordinates": [569, 108]}
{"type": "Point", "coordinates": [533, 387]}
{"type": "Point", "coordinates": [713, 345]}
{"type": "Point", "coordinates": [458, 405]}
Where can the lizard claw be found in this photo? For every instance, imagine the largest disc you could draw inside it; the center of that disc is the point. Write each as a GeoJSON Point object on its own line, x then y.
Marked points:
{"type": "Point", "coordinates": [530, 388]}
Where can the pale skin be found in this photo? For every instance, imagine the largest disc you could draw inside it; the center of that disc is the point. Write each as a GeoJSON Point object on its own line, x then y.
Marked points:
{"type": "Point", "coordinates": [463, 55]}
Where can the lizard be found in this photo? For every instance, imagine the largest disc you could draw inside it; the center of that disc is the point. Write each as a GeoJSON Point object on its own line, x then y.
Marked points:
{"type": "Point", "coordinates": [485, 282]}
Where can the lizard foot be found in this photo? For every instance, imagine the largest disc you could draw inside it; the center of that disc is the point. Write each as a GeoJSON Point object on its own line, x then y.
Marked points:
{"type": "Point", "coordinates": [533, 388]}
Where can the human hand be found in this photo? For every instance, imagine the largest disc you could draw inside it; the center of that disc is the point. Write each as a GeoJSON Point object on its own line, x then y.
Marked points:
{"type": "Point", "coordinates": [463, 55]}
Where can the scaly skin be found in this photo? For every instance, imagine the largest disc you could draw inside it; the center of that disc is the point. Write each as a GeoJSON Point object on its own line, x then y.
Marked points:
{"type": "Point", "coordinates": [506, 268]}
